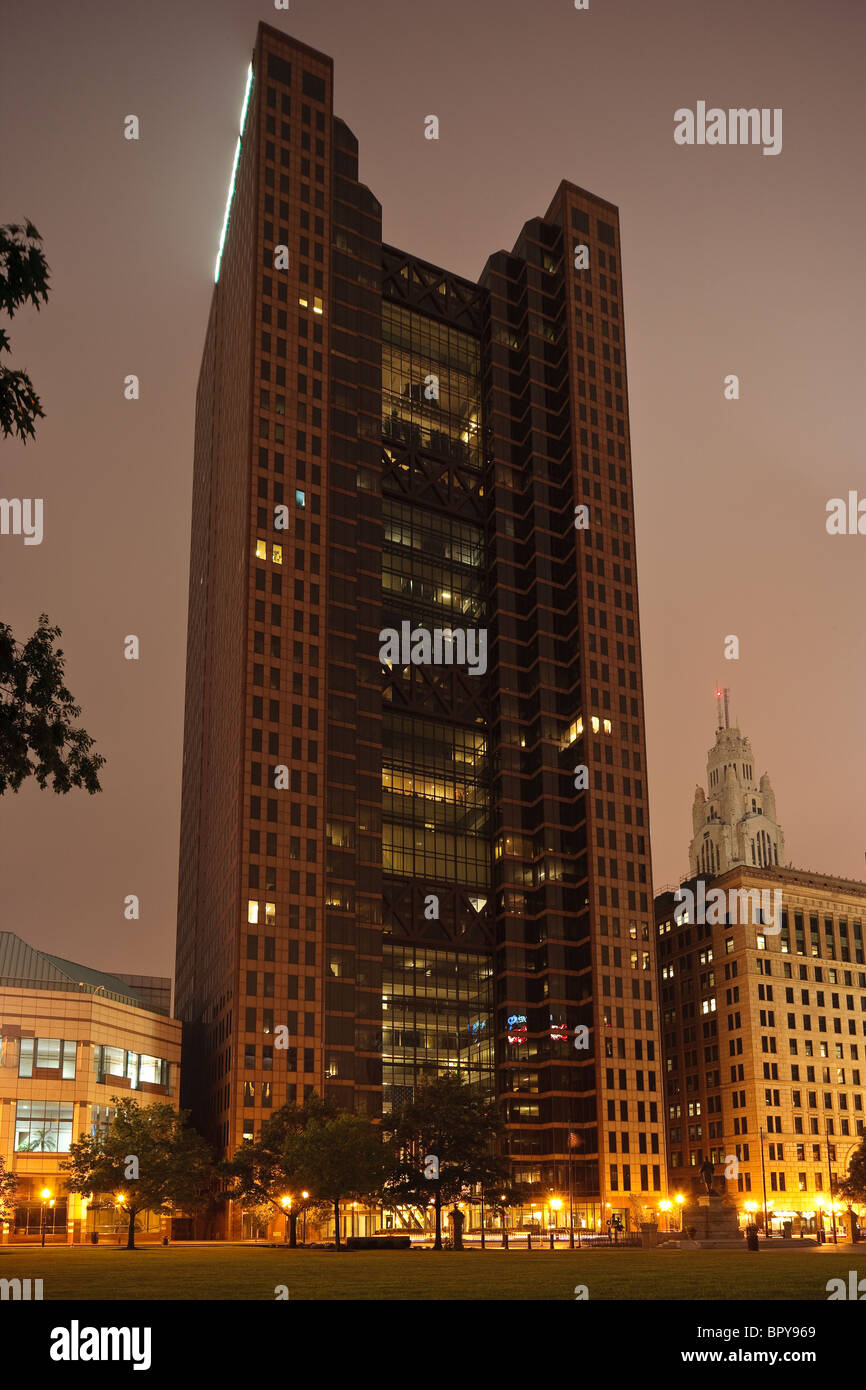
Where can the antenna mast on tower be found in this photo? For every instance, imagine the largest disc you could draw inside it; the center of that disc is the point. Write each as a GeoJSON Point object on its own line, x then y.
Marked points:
{"type": "Point", "coordinates": [720, 696]}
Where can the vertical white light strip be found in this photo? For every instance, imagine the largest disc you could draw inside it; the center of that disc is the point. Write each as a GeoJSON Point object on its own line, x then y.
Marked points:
{"type": "Point", "coordinates": [231, 192]}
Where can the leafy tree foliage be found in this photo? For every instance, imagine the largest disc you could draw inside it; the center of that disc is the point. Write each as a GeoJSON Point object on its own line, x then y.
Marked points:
{"type": "Point", "coordinates": [462, 1130]}
{"type": "Point", "coordinates": [172, 1162]}
{"type": "Point", "coordinates": [23, 279]}
{"type": "Point", "coordinates": [259, 1175]}
{"type": "Point", "coordinates": [37, 733]}
{"type": "Point", "coordinates": [853, 1185]}
{"type": "Point", "coordinates": [338, 1159]}
{"type": "Point", "coordinates": [8, 1188]}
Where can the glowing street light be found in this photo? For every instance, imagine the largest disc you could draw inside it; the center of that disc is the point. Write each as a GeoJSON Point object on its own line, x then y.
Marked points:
{"type": "Point", "coordinates": [46, 1198]}
{"type": "Point", "coordinates": [555, 1205]}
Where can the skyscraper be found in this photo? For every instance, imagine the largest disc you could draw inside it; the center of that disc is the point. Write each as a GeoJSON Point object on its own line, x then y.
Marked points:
{"type": "Point", "coordinates": [414, 824]}
{"type": "Point", "coordinates": [763, 1008]}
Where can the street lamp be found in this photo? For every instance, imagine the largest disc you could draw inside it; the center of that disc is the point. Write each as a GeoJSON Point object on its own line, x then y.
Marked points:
{"type": "Point", "coordinates": [830, 1161]}
{"type": "Point", "coordinates": [666, 1208]}
{"type": "Point", "coordinates": [46, 1197]}
{"type": "Point", "coordinates": [503, 1212]}
{"type": "Point", "coordinates": [555, 1207]}
{"type": "Point", "coordinates": [286, 1204]}
{"type": "Point", "coordinates": [819, 1203]}
{"type": "Point", "coordinates": [119, 1198]}
{"type": "Point", "coordinates": [679, 1199]}
{"type": "Point", "coordinates": [306, 1197]}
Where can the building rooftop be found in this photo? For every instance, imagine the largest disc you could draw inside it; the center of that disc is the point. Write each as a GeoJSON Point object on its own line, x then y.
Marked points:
{"type": "Point", "coordinates": [23, 967]}
{"type": "Point", "coordinates": [776, 873]}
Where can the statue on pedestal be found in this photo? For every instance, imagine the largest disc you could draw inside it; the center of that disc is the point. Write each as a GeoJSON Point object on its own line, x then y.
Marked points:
{"type": "Point", "coordinates": [706, 1171]}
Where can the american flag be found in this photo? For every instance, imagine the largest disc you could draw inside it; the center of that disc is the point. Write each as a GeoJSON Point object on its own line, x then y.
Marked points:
{"type": "Point", "coordinates": [574, 1140]}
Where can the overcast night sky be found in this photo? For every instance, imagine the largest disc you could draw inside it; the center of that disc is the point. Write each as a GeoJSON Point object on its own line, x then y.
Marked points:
{"type": "Point", "coordinates": [733, 262]}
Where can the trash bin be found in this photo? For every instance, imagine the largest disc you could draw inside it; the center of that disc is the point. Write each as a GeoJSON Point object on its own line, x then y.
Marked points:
{"type": "Point", "coordinates": [751, 1237]}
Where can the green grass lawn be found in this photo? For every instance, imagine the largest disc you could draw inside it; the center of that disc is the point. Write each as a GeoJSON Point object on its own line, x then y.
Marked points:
{"type": "Point", "coordinates": [249, 1272]}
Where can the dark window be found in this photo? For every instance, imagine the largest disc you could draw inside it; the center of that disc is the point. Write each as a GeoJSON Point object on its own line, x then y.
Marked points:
{"type": "Point", "coordinates": [281, 70]}
{"type": "Point", "coordinates": [313, 87]}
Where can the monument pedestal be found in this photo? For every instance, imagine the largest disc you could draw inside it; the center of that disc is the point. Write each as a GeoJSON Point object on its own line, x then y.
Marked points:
{"type": "Point", "coordinates": [712, 1218]}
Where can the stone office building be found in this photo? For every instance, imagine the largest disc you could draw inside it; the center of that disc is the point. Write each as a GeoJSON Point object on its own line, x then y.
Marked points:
{"type": "Point", "coordinates": [762, 981]}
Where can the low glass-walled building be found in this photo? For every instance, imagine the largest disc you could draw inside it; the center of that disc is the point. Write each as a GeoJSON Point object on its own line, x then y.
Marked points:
{"type": "Point", "coordinates": [70, 1039]}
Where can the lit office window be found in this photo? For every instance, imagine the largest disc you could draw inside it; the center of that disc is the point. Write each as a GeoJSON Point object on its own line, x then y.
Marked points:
{"type": "Point", "coordinates": [43, 1126]}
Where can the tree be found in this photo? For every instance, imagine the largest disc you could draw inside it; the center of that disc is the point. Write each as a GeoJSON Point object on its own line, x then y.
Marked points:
{"type": "Point", "coordinates": [460, 1128]}
{"type": "Point", "coordinates": [258, 1175]}
{"type": "Point", "coordinates": [8, 1188]}
{"type": "Point", "coordinates": [338, 1158]}
{"type": "Point", "coordinates": [149, 1157]}
{"type": "Point", "coordinates": [853, 1185]}
{"type": "Point", "coordinates": [23, 279]}
{"type": "Point", "coordinates": [36, 714]}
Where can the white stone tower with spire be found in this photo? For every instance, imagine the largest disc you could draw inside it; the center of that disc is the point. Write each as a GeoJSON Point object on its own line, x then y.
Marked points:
{"type": "Point", "coordinates": [736, 823]}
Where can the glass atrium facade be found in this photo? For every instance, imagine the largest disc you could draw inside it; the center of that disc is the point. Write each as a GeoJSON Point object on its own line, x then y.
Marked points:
{"type": "Point", "coordinates": [437, 1002]}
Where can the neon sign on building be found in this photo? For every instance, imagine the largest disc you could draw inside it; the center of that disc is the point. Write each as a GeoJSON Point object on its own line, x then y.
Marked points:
{"type": "Point", "coordinates": [517, 1028]}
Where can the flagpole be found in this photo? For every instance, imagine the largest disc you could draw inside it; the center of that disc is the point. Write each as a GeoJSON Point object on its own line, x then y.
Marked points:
{"type": "Point", "coordinates": [570, 1195]}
